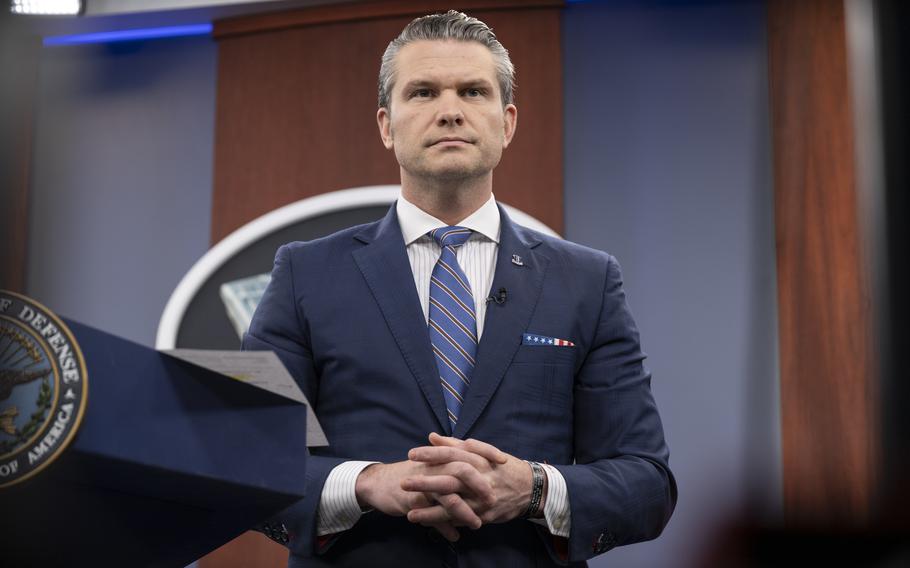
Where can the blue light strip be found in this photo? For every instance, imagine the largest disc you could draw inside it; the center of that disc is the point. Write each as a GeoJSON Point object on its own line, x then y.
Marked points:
{"type": "Point", "coordinates": [130, 35]}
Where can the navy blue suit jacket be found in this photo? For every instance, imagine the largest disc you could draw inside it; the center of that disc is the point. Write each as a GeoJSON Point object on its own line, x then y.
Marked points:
{"type": "Point", "coordinates": [343, 314]}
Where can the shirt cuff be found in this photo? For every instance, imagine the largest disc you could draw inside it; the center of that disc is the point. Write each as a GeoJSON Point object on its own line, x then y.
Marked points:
{"type": "Point", "coordinates": [556, 513]}
{"type": "Point", "coordinates": [338, 507]}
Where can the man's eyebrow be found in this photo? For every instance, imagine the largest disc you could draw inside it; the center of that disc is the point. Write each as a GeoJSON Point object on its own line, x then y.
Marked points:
{"type": "Point", "coordinates": [467, 83]}
{"type": "Point", "coordinates": [417, 83]}
{"type": "Point", "coordinates": [479, 82]}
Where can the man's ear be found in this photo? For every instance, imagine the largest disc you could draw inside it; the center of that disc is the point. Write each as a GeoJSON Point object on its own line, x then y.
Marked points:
{"type": "Point", "coordinates": [384, 120]}
{"type": "Point", "coordinates": [510, 123]}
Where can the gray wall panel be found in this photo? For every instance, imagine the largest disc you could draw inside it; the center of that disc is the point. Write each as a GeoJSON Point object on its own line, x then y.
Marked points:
{"type": "Point", "coordinates": [668, 168]}
{"type": "Point", "coordinates": [122, 178]}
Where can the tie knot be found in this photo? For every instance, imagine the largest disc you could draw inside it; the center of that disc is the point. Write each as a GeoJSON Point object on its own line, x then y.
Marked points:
{"type": "Point", "coordinates": [450, 236]}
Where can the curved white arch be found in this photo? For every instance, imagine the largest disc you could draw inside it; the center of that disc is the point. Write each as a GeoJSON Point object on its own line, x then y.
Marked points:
{"type": "Point", "coordinates": [276, 220]}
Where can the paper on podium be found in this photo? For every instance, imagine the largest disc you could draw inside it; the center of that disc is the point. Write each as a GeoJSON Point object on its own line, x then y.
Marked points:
{"type": "Point", "coordinates": [261, 369]}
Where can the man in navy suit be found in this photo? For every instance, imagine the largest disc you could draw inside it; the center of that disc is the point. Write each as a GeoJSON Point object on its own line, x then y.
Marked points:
{"type": "Point", "coordinates": [481, 385]}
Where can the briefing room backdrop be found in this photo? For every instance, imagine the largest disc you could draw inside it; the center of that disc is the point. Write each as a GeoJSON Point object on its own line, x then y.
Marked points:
{"type": "Point", "coordinates": [663, 158]}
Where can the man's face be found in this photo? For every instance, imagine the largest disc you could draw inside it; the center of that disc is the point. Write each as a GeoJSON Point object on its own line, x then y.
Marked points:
{"type": "Point", "coordinates": [446, 120]}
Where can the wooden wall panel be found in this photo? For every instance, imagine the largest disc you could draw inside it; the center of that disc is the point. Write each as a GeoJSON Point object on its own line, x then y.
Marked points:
{"type": "Point", "coordinates": [249, 550]}
{"type": "Point", "coordinates": [826, 355]}
{"type": "Point", "coordinates": [296, 106]}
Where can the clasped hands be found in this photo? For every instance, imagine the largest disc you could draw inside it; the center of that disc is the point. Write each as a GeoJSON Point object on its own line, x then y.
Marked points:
{"type": "Point", "coordinates": [450, 483]}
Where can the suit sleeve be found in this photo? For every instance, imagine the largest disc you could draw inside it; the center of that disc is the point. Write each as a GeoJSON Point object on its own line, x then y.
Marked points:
{"type": "Point", "coordinates": [620, 487]}
{"type": "Point", "coordinates": [278, 325]}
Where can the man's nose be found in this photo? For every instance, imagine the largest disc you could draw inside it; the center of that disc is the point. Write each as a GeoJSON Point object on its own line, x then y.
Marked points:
{"type": "Point", "coordinates": [449, 112]}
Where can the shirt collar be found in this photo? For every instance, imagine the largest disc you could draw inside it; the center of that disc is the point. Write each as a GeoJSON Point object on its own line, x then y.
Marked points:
{"type": "Point", "coordinates": [416, 222]}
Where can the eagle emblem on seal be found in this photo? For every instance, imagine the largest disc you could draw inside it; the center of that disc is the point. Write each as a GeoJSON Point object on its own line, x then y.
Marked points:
{"type": "Point", "coordinates": [42, 387]}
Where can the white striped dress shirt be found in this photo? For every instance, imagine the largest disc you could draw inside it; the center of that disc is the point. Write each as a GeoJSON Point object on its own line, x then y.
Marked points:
{"type": "Point", "coordinates": [338, 507]}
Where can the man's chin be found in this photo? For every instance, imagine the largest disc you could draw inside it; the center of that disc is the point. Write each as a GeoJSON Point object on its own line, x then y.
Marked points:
{"type": "Point", "coordinates": [454, 174]}
{"type": "Point", "coordinates": [454, 171]}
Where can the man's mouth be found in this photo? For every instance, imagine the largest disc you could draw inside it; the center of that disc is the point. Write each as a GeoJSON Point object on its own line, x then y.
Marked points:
{"type": "Point", "coordinates": [450, 141]}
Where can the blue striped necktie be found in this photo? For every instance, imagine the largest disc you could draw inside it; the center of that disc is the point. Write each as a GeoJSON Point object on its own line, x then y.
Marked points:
{"type": "Point", "coordinates": [453, 323]}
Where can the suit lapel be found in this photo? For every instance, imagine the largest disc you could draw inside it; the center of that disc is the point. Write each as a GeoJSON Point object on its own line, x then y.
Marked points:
{"type": "Point", "coordinates": [384, 264]}
{"type": "Point", "coordinates": [505, 323]}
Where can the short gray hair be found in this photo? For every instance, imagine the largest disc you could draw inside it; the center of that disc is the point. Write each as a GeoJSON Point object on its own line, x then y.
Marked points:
{"type": "Point", "coordinates": [452, 25]}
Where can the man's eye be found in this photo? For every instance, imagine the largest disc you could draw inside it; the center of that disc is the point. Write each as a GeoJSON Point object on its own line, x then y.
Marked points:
{"type": "Point", "coordinates": [420, 93]}
{"type": "Point", "coordinates": [473, 92]}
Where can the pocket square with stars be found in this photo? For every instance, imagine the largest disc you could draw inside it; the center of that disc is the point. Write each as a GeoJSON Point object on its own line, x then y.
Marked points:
{"type": "Point", "coordinates": [545, 341]}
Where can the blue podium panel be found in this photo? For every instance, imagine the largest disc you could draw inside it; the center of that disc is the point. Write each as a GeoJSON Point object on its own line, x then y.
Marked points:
{"type": "Point", "coordinates": [170, 462]}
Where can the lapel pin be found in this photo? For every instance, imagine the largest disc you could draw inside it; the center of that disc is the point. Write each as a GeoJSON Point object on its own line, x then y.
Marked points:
{"type": "Point", "coordinates": [516, 260]}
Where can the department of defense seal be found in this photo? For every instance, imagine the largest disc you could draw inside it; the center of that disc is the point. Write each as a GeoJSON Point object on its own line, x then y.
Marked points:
{"type": "Point", "coordinates": [42, 387]}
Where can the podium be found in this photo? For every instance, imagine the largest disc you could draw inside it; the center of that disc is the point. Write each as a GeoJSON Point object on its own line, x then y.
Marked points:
{"type": "Point", "coordinates": [171, 461]}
